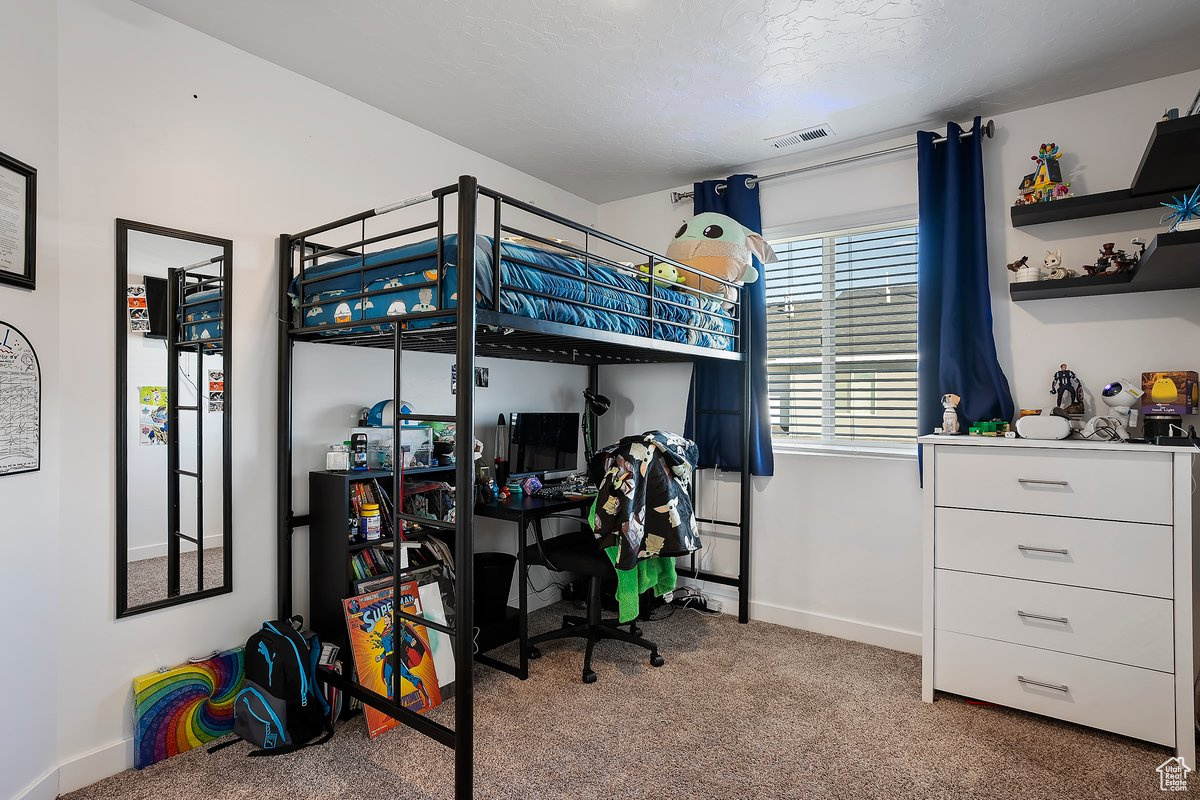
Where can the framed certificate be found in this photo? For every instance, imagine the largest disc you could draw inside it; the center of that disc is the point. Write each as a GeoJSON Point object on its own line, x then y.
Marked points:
{"type": "Point", "coordinates": [18, 222]}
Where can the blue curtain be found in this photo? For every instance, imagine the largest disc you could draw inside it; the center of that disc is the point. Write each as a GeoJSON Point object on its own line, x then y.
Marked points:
{"type": "Point", "coordinates": [957, 351]}
{"type": "Point", "coordinates": [719, 383]}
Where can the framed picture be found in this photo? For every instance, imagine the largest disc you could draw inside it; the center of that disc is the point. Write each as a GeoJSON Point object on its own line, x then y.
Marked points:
{"type": "Point", "coordinates": [18, 222]}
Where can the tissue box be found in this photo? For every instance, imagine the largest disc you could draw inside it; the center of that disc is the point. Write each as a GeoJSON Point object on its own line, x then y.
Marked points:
{"type": "Point", "coordinates": [1170, 392]}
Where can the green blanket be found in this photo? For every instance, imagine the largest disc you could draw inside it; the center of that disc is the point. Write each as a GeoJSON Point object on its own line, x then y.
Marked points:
{"type": "Point", "coordinates": [656, 572]}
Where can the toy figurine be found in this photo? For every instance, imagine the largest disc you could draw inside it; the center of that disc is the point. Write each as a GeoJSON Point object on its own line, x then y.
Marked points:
{"type": "Point", "coordinates": [1058, 273]}
{"type": "Point", "coordinates": [1066, 383]}
{"type": "Point", "coordinates": [1025, 271]}
{"type": "Point", "coordinates": [950, 415]}
{"type": "Point", "coordinates": [1053, 260]}
{"type": "Point", "coordinates": [1183, 209]}
{"type": "Point", "coordinates": [1112, 261]}
{"type": "Point", "coordinates": [1046, 182]}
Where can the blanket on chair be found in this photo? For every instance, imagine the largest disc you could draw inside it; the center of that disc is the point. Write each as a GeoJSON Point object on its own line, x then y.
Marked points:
{"type": "Point", "coordinates": [643, 512]}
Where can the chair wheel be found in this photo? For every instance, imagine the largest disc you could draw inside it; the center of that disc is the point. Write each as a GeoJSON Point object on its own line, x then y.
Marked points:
{"type": "Point", "coordinates": [634, 629]}
{"type": "Point", "coordinates": [656, 660]}
{"type": "Point", "coordinates": [534, 652]}
{"type": "Point", "coordinates": [589, 676]}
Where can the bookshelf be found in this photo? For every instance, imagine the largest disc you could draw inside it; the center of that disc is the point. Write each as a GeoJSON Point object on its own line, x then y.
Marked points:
{"type": "Point", "coordinates": [331, 577]}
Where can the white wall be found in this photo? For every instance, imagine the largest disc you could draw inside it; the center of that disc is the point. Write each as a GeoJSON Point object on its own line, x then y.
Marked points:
{"type": "Point", "coordinates": [29, 525]}
{"type": "Point", "coordinates": [234, 161]}
{"type": "Point", "coordinates": [837, 544]}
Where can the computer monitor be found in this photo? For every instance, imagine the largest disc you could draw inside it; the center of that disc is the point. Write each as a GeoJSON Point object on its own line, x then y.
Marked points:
{"type": "Point", "coordinates": [156, 305]}
{"type": "Point", "coordinates": [543, 443]}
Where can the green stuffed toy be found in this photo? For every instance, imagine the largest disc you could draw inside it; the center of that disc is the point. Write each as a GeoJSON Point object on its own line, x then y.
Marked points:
{"type": "Point", "coordinates": [722, 247]}
{"type": "Point", "coordinates": [666, 276]}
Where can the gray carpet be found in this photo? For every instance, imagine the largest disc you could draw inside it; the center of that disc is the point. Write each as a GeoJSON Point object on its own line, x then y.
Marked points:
{"type": "Point", "coordinates": [754, 711]}
{"type": "Point", "coordinates": [147, 579]}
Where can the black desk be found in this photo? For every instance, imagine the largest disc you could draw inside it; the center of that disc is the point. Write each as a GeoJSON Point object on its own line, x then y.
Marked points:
{"type": "Point", "coordinates": [525, 511]}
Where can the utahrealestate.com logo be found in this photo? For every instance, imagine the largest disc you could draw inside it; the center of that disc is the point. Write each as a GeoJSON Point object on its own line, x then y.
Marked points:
{"type": "Point", "coordinates": [1173, 775]}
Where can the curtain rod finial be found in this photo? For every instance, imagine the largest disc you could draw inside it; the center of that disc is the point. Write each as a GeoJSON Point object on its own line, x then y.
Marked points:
{"type": "Point", "coordinates": [989, 128]}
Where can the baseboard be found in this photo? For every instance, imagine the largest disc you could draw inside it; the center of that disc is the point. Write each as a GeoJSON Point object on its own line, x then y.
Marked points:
{"type": "Point", "coordinates": [828, 625]}
{"type": "Point", "coordinates": [43, 788]}
{"type": "Point", "coordinates": [146, 551]}
{"type": "Point", "coordinates": [96, 765]}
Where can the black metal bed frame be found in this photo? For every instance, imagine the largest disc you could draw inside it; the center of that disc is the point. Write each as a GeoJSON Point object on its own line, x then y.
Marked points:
{"type": "Point", "coordinates": [468, 331]}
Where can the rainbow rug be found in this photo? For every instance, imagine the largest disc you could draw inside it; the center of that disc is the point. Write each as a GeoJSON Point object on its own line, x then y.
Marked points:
{"type": "Point", "coordinates": [185, 707]}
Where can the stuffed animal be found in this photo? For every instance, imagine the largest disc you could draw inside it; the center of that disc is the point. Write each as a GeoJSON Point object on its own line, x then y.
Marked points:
{"type": "Point", "coordinates": [666, 276]}
{"type": "Point", "coordinates": [719, 246]}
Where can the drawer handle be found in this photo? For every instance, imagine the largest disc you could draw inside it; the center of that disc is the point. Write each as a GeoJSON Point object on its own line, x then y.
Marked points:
{"type": "Point", "coordinates": [1055, 686]}
{"type": "Point", "coordinates": [1024, 548]}
{"type": "Point", "coordinates": [1044, 618]}
{"type": "Point", "coordinates": [1036, 482]}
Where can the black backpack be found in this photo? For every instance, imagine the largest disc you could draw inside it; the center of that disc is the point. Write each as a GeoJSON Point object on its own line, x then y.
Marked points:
{"type": "Point", "coordinates": [280, 707]}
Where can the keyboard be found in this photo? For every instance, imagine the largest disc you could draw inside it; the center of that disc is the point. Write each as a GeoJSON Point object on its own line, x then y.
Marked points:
{"type": "Point", "coordinates": [553, 491]}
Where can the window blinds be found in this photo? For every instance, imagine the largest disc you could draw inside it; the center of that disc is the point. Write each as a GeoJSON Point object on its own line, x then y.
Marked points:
{"type": "Point", "coordinates": [842, 335]}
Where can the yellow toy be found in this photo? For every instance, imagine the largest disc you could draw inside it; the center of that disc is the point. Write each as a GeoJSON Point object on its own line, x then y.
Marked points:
{"type": "Point", "coordinates": [666, 276]}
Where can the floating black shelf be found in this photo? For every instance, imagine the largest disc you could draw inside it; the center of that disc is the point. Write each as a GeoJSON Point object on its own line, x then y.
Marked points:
{"type": "Point", "coordinates": [1169, 167]}
{"type": "Point", "coordinates": [1171, 261]}
{"type": "Point", "coordinates": [1172, 157]}
{"type": "Point", "coordinates": [1087, 205]}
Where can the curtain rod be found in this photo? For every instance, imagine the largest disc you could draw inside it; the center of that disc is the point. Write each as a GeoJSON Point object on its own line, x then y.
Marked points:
{"type": "Point", "coordinates": [988, 130]}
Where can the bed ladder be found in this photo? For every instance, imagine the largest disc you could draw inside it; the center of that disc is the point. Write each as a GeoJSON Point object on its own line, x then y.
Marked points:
{"type": "Point", "coordinates": [177, 345]}
{"type": "Point", "coordinates": [742, 580]}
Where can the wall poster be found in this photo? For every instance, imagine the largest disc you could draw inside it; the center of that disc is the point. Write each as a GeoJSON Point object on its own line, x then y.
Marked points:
{"type": "Point", "coordinates": [20, 404]}
{"type": "Point", "coordinates": [153, 415]}
{"type": "Point", "coordinates": [18, 222]}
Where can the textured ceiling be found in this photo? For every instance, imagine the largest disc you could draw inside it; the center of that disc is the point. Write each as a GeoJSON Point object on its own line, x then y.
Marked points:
{"type": "Point", "coordinates": [613, 98]}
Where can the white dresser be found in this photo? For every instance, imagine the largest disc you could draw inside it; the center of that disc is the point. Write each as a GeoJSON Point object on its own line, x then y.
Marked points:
{"type": "Point", "coordinates": [1059, 580]}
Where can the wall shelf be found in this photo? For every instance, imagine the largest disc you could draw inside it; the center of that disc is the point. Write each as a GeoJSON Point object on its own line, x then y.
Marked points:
{"type": "Point", "coordinates": [1169, 167]}
{"type": "Point", "coordinates": [1172, 157]}
{"type": "Point", "coordinates": [1088, 205]}
{"type": "Point", "coordinates": [1171, 261]}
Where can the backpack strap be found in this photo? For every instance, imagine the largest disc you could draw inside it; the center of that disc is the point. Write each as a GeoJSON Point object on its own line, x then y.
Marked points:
{"type": "Point", "coordinates": [223, 745]}
{"type": "Point", "coordinates": [279, 751]}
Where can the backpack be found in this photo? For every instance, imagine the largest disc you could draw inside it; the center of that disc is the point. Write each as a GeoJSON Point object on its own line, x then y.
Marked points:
{"type": "Point", "coordinates": [280, 708]}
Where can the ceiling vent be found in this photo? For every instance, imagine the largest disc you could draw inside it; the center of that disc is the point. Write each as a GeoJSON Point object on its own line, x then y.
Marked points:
{"type": "Point", "coordinates": [801, 136]}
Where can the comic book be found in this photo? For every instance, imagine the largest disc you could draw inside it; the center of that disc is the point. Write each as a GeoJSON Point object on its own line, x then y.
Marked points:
{"type": "Point", "coordinates": [369, 621]}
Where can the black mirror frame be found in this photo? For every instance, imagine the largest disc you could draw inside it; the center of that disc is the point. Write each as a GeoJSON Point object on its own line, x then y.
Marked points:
{"type": "Point", "coordinates": [124, 227]}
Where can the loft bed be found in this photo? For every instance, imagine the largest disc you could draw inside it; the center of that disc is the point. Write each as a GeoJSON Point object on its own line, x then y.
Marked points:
{"type": "Point", "coordinates": [536, 298]}
{"type": "Point", "coordinates": [196, 310]}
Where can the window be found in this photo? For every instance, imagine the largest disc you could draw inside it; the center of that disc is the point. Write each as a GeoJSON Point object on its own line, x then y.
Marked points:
{"type": "Point", "coordinates": [842, 336]}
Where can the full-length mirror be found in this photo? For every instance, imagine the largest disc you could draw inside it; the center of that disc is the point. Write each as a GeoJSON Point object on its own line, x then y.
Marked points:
{"type": "Point", "coordinates": [174, 532]}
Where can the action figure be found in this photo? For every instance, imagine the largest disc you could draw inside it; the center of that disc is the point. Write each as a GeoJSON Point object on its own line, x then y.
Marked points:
{"type": "Point", "coordinates": [950, 414]}
{"type": "Point", "coordinates": [1065, 382]}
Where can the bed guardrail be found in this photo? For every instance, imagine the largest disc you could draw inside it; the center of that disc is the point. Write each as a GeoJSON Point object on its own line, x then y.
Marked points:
{"type": "Point", "coordinates": [652, 301]}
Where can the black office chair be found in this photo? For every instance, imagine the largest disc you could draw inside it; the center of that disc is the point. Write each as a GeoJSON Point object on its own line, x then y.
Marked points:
{"type": "Point", "coordinates": [580, 552]}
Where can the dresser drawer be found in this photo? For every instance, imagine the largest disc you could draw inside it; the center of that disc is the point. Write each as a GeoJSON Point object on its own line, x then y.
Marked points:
{"type": "Point", "coordinates": [1126, 700]}
{"type": "Point", "coordinates": [1100, 554]}
{"type": "Point", "coordinates": [1125, 628]}
{"type": "Point", "coordinates": [1133, 486]}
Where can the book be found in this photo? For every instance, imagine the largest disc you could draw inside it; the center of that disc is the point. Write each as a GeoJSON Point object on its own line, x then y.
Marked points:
{"type": "Point", "coordinates": [372, 627]}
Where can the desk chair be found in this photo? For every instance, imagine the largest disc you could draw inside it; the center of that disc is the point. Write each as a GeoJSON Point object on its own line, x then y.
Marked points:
{"type": "Point", "coordinates": [580, 552]}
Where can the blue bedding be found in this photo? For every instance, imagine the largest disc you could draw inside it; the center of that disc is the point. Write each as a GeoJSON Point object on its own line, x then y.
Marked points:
{"type": "Point", "coordinates": [400, 280]}
{"type": "Point", "coordinates": [200, 315]}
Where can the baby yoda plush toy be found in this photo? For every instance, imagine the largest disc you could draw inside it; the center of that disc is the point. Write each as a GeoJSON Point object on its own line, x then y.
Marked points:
{"type": "Point", "coordinates": [720, 246]}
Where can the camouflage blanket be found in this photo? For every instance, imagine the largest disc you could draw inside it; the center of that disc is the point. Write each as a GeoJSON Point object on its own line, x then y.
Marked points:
{"type": "Point", "coordinates": [644, 506]}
